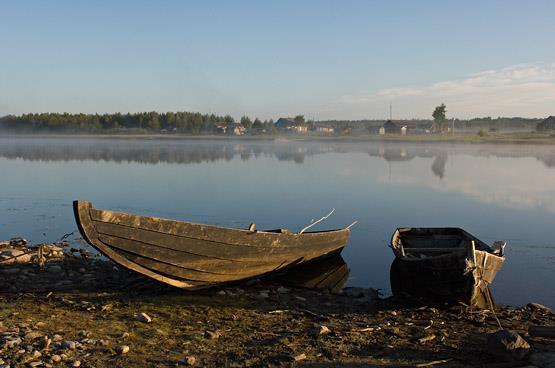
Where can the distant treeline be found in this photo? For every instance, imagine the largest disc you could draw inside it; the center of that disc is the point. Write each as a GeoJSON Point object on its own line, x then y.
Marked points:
{"type": "Point", "coordinates": [485, 122]}
{"type": "Point", "coordinates": [186, 122]}
{"type": "Point", "coordinates": [197, 123]}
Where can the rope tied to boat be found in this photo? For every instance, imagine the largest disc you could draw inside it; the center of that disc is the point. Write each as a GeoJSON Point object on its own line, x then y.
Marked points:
{"type": "Point", "coordinates": [479, 281]}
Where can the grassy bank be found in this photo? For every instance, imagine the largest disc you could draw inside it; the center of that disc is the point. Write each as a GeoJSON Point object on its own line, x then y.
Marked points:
{"type": "Point", "coordinates": [509, 138]}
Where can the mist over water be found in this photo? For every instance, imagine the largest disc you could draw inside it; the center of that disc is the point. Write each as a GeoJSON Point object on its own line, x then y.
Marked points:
{"type": "Point", "coordinates": [492, 191]}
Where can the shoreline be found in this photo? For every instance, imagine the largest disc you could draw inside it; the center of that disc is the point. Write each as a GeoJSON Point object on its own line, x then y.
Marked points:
{"type": "Point", "coordinates": [497, 138]}
{"type": "Point", "coordinates": [80, 311]}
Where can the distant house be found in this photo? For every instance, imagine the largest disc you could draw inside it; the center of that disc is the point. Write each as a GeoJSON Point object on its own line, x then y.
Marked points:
{"type": "Point", "coordinates": [345, 131]}
{"type": "Point", "coordinates": [290, 125]}
{"type": "Point", "coordinates": [236, 129]}
{"type": "Point", "coordinates": [220, 128]}
{"type": "Point", "coordinates": [390, 127]}
{"type": "Point", "coordinates": [255, 131]}
{"type": "Point", "coordinates": [396, 127]}
{"type": "Point", "coordinates": [547, 124]}
{"type": "Point", "coordinates": [325, 130]}
{"type": "Point", "coordinates": [284, 123]}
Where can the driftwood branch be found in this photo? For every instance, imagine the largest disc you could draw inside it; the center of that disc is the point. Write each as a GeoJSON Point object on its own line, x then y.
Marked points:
{"type": "Point", "coordinates": [542, 331]}
{"type": "Point", "coordinates": [32, 250]}
{"type": "Point", "coordinates": [315, 222]}
{"type": "Point", "coordinates": [432, 363]}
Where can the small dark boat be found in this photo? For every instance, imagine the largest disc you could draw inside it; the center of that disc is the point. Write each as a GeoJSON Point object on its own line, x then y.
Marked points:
{"type": "Point", "coordinates": [444, 264]}
{"type": "Point", "coordinates": [193, 256]}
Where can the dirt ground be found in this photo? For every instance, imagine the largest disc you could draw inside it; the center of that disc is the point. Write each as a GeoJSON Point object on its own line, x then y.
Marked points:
{"type": "Point", "coordinates": [75, 311]}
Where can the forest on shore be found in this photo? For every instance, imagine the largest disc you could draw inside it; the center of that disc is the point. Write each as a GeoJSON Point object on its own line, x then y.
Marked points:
{"type": "Point", "coordinates": [197, 123]}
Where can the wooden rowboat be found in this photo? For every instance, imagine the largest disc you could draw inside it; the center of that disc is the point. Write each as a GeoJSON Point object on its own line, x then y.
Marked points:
{"type": "Point", "coordinates": [193, 256]}
{"type": "Point", "coordinates": [445, 264]}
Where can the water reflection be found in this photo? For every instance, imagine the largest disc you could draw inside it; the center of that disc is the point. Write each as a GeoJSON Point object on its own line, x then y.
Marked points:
{"type": "Point", "coordinates": [327, 274]}
{"type": "Point", "coordinates": [198, 151]}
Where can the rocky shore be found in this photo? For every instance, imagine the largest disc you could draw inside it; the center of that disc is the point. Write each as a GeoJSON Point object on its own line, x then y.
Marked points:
{"type": "Point", "coordinates": [63, 307]}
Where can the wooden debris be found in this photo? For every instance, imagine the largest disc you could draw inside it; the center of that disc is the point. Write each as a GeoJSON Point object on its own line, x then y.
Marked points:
{"type": "Point", "coordinates": [542, 331]}
{"type": "Point", "coordinates": [426, 339]}
{"type": "Point", "coordinates": [432, 363]}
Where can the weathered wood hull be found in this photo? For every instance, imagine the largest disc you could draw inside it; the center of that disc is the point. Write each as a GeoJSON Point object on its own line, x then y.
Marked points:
{"type": "Point", "coordinates": [440, 264]}
{"type": "Point", "coordinates": [188, 255]}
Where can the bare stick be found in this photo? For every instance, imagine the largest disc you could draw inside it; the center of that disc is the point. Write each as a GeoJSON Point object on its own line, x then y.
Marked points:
{"type": "Point", "coordinates": [315, 222]}
{"type": "Point", "coordinates": [435, 362]}
{"type": "Point", "coordinates": [351, 225]}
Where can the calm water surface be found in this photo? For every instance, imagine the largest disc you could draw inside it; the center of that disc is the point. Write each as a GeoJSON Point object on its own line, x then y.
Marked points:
{"type": "Point", "coordinates": [493, 191]}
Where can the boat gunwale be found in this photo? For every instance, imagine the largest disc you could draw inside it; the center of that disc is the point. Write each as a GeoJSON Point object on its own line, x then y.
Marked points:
{"type": "Point", "coordinates": [396, 234]}
{"type": "Point", "coordinates": [217, 227]}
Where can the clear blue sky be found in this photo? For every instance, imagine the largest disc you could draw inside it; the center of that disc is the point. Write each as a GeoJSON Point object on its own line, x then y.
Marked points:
{"type": "Point", "coordinates": [328, 59]}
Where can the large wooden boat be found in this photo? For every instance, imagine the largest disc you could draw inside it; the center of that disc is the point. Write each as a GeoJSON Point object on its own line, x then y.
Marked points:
{"type": "Point", "coordinates": [445, 264]}
{"type": "Point", "coordinates": [189, 255]}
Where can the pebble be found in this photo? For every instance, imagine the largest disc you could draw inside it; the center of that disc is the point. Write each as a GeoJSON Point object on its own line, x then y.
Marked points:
{"type": "Point", "coordinates": [299, 357]}
{"type": "Point", "coordinates": [103, 342]}
{"type": "Point", "coordinates": [143, 317]}
{"type": "Point", "coordinates": [426, 339]}
{"type": "Point", "coordinates": [540, 307]}
{"type": "Point", "coordinates": [190, 360]}
{"type": "Point", "coordinates": [507, 345]}
{"type": "Point", "coordinates": [263, 295]}
{"type": "Point", "coordinates": [283, 290]}
{"type": "Point", "coordinates": [57, 338]}
{"type": "Point", "coordinates": [124, 335]}
{"type": "Point", "coordinates": [45, 342]}
{"type": "Point", "coordinates": [212, 335]}
{"type": "Point", "coordinates": [323, 330]}
{"type": "Point", "coordinates": [121, 349]}
{"type": "Point", "coordinates": [56, 358]}
{"type": "Point", "coordinates": [13, 342]}
{"type": "Point", "coordinates": [71, 345]}
{"type": "Point", "coordinates": [84, 333]}
{"type": "Point", "coordinates": [77, 363]}
{"type": "Point", "coordinates": [222, 293]}
{"type": "Point", "coordinates": [32, 335]}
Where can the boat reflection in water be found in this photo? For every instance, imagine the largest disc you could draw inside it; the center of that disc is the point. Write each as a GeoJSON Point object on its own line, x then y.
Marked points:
{"type": "Point", "coordinates": [326, 274]}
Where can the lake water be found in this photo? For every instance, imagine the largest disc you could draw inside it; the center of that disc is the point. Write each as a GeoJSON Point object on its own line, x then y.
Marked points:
{"type": "Point", "coordinates": [493, 191]}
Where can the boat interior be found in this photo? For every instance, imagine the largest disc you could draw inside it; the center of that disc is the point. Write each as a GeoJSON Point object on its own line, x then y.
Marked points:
{"type": "Point", "coordinates": [425, 242]}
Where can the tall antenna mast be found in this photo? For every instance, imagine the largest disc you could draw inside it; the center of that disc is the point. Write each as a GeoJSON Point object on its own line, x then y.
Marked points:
{"type": "Point", "coordinates": [390, 111]}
